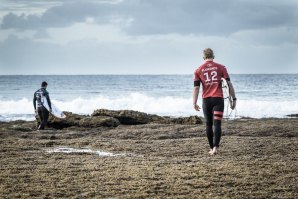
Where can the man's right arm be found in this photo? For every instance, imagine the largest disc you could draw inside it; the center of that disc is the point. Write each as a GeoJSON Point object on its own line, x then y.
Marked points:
{"type": "Point", "coordinates": [196, 91]}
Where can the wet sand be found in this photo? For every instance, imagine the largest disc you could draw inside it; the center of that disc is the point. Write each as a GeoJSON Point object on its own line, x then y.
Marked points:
{"type": "Point", "coordinates": [258, 159]}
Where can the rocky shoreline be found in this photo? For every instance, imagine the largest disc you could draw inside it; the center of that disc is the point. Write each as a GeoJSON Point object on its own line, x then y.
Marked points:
{"type": "Point", "coordinates": [106, 118]}
{"type": "Point", "coordinates": [158, 157]}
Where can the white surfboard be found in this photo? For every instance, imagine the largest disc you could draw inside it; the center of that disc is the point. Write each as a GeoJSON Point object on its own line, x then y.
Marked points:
{"type": "Point", "coordinates": [226, 90]}
{"type": "Point", "coordinates": [55, 110]}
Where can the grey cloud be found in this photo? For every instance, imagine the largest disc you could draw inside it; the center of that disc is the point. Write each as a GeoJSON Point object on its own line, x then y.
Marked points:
{"type": "Point", "coordinates": [58, 16]}
{"type": "Point", "coordinates": [215, 17]}
{"type": "Point", "coordinates": [208, 17]}
{"type": "Point", "coordinates": [247, 24]}
{"type": "Point", "coordinates": [41, 34]}
{"type": "Point", "coordinates": [25, 56]}
{"type": "Point", "coordinates": [23, 5]}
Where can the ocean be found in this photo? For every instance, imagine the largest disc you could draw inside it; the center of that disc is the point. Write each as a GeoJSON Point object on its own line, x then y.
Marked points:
{"type": "Point", "coordinates": [258, 96]}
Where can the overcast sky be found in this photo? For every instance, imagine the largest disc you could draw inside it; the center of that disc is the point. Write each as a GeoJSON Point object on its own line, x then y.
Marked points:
{"type": "Point", "coordinates": [147, 36]}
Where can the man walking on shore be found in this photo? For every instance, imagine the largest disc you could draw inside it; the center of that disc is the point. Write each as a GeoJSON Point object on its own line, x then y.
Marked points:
{"type": "Point", "coordinates": [209, 74]}
{"type": "Point", "coordinates": [38, 99]}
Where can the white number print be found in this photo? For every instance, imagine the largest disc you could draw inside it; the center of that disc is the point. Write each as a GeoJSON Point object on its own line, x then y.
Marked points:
{"type": "Point", "coordinates": [206, 77]}
{"type": "Point", "coordinates": [213, 76]}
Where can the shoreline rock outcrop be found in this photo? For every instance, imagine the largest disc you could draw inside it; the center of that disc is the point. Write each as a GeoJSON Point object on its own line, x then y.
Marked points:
{"type": "Point", "coordinates": [129, 117]}
{"type": "Point", "coordinates": [105, 118]}
{"type": "Point", "coordinates": [111, 118]}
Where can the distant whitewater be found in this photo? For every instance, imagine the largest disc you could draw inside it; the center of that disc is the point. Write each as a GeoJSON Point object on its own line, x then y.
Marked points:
{"type": "Point", "coordinates": [259, 96]}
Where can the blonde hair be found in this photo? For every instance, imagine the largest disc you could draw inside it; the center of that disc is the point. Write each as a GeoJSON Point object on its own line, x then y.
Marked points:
{"type": "Point", "coordinates": [208, 53]}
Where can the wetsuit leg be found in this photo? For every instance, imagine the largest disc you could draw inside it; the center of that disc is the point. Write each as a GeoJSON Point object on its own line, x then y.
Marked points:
{"type": "Point", "coordinates": [208, 114]}
{"type": "Point", "coordinates": [218, 114]}
{"type": "Point", "coordinates": [40, 115]}
{"type": "Point", "coordinates": [44, 116]}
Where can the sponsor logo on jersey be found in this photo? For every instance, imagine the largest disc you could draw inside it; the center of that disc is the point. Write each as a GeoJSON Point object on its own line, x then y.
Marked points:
{"type": "Point", "coordinates": [208, 69]}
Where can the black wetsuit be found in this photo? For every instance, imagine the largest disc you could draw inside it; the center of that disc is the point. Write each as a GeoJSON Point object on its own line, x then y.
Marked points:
{"type": "Point", "coordinates": [211, 107]}
{"type": "Point", "coordinates": [43, 113]}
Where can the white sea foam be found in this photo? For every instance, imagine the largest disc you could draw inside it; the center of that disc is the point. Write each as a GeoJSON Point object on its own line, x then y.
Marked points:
{"type": "Point", "coordinates": [166, 105]}
{"type": "Point", "coordinates": [88, 151]}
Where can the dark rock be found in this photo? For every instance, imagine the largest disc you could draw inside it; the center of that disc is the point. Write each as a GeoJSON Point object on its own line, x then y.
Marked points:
{"type": "Point", "coordinates": [98, 121]}
{"type": "Point", "coordinates": [53, 137]}
{"type": "Point", "coordinates": [186, 120]}
{"type": "Point", "coordinates": [126, 116]}
{"type": "Point", "coordinates": [130, 117]}
{"type": "Point", "coordinates": [246, 118]}
{"type": "Point", "coordinates": [110, 118]}
{"type": "Point", "coordinates": [70, 120]}
{"type": "Point", "coordinates": [105, 112]}
{"type": "Point", "coordinates": [293, 115]}
{"type": "Point", "coordinates": [75, 120]}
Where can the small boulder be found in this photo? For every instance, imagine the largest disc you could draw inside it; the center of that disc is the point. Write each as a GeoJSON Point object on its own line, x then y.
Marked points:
{"type": "Point", "coordinates": [186, 120]}
{"type": "Point", "coordinates": [105, 112]}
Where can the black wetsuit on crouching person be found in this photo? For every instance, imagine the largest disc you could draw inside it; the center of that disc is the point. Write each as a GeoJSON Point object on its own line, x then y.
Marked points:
{"type": "Point", "coordinates": [43, 113]}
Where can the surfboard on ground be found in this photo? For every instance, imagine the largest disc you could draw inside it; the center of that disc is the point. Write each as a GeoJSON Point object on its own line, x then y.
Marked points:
{"type": "Point", "coordinates": [55, 110]}
{"type": "Point", "coordinates": [226, 90]}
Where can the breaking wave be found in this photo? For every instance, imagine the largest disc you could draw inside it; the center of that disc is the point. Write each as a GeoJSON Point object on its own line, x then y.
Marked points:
{"type": "Point", "coordinates": [165, 105]}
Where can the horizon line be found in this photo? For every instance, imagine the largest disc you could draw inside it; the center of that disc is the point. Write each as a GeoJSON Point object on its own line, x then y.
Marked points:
{"type": "Point", "coordinates": [128, 74]}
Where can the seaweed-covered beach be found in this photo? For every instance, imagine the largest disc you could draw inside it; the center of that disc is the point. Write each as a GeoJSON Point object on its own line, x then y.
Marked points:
{"type": "Point", "coordinates": [257, 159]}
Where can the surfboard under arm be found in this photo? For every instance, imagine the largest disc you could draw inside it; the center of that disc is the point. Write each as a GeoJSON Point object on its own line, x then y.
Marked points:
{"type": "Point", "coordinates": [55, 110]}
{"type": "Point", "coordinates": [226, 89]}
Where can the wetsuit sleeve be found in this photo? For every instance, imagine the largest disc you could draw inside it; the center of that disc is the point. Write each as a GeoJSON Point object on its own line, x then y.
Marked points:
{"type": "Point", "coordinates": [34, 101]}
{"type": "Point", "coordinates": [48, 99]}
{"type": "Point", "coordinates": [197, 80]}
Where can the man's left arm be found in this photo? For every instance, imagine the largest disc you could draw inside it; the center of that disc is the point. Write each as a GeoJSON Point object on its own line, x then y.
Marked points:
{"type": "Point", "coordinates": [233, 94]}
{"type": "Point", "coordinates": [231, 88]}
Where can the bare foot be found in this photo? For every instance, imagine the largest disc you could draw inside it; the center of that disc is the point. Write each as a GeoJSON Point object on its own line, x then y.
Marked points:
{"type": "Point", "coordinates": [210, 152]}
{"type": "Point", "coordinates": [214, 151]}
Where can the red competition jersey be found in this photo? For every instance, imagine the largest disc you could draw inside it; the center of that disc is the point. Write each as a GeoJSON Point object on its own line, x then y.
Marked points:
{"type": "Point", "coordinates": [210, 74]}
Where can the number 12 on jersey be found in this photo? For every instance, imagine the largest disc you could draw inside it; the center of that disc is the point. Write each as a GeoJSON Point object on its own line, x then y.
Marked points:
{"type": "Point", "coordinates": [213, 76]}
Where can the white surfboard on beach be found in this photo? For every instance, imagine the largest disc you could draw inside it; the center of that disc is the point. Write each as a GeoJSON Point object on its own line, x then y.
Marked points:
{"type": "Point", "coordinates": [55, 110]}
{"type": "Point", "coordinates": [226, 90]}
